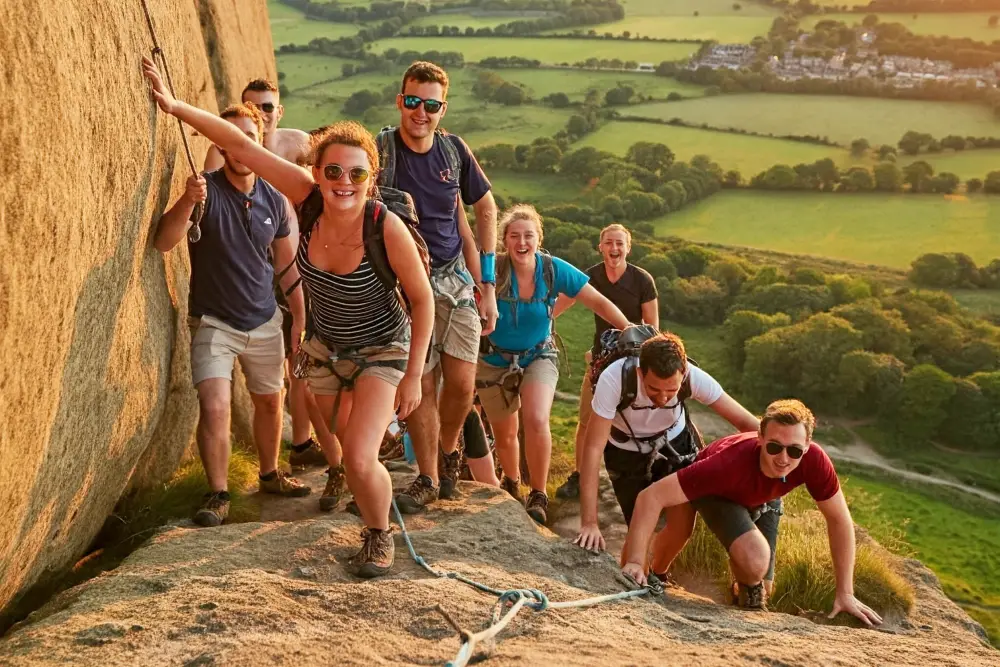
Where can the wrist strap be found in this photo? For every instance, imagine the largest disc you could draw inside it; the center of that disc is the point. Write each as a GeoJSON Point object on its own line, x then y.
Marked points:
{"type": "Point", "coordinates": [488, 266]}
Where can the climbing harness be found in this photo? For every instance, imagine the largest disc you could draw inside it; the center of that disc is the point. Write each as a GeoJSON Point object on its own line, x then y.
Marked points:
{"type": "Point", "coordinates": [466, 302]}
{"type": "Point", "coordinates": [508, 603]}
{"type": "Point", "coordinates": [194, 234]}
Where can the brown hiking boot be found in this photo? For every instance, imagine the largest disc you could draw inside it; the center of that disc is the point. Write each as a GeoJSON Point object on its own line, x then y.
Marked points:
{"type": "Point", "coordinates": [753, 597]}
{"type": "Point", "coordinates": [537, 506]}
{"type": "Point", "coordinates": [449, 467]}
{"type": "Point", "coordinates": [283, 484]}
{"type": "Point", "coordinates": [310, 456]}
{"type": "Point", "coordinates": [335, 483]}
{"type": "Point", "coordinates": [417, 495]}
{"type": "Point", "coordinates": [214, 509]}
{"type": "Point", "coordinates": [513, 487]}
{"type": "Point", "coordinates": [392, 447]}
{"type": "Point", "coordinates": [377, 553]}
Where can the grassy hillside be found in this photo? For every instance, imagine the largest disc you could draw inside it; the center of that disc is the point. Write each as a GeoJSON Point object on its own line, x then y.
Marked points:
{"type": "Point", "coordinates": [960, 24]}
{"type": "Point", "coordinates": [290, 26]}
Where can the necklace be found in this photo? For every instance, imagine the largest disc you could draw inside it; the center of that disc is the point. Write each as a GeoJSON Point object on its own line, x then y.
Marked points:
{"type": "Point", "coordinates": [341, 242]}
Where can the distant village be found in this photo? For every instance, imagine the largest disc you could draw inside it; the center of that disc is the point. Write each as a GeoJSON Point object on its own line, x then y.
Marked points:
{"type": "Point", "coordinates": [896, 71]}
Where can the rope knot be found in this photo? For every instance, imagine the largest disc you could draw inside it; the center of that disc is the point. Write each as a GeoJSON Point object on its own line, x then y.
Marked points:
{"type": "Point", "coordinates": [542, 600]}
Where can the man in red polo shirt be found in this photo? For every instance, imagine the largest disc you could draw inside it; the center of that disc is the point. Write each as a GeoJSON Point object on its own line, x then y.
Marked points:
{"type": "Point", "coordinates": [734, 485]}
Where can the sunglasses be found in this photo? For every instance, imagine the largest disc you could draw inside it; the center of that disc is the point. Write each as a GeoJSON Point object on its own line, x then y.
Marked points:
{"type": "Point", "coordinates": [333, 172]}
{"type": "Point", "coordinates": [412, 102]}
{"type": "Point", "coordinates": [266, 107]}
{"type": "Point", "coordinates": [793, 451]}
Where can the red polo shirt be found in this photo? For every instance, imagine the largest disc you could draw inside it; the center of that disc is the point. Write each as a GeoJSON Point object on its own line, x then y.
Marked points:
{"type": "Point", "coordinates": [730, 468]}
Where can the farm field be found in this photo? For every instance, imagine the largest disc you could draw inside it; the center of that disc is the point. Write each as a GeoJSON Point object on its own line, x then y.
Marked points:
{"type": "Point", "coordinates": [960, 24]}
{"type": "Point", "coordinates": [553, 189]}
{"type": "Point", "coordinates": [840, 118]}
{"type": "Point", "coordinates": [290, 26]}
{"type": "Point", "coordinates": [576, 83]}
{"type": "Point", "coordinates": [676, 19]}
{"type": "Point", "coordinates": [548, 51]}
{"type": "Point", "coordinates": [891, 230]}
{"type": "Point", "coordinates": [302, 70]}
{"type": "Point", "coordinates": [747, 154]}
{"type": "Point", "coordinates": [473, 19]}
{"type": "Point", "coordinates": [967, 164]}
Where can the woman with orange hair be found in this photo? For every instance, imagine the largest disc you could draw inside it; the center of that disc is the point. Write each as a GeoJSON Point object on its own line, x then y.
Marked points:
{"type": "Point", "coordinates": [362, 356]}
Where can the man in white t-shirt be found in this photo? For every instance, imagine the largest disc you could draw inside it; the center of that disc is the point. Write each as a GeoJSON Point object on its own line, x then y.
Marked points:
{"type": "Point", "coordinates": [651, 438]}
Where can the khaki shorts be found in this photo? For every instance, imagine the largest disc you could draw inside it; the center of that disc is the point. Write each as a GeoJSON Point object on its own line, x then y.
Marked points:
{"type": "Point", "coordinates": [500, 403]}
{"type": "Point", "coordinates": [215, 346]}
{"type": "Point", "coordinates": [460, 337]}
{"type": "Point", "coordinates": [323, 381]}
{"type": "Point", "coordinates": [586, 396]}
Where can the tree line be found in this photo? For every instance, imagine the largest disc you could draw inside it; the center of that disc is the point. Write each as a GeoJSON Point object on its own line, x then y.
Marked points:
{"type": "Point", "coordinates": [947, 270]}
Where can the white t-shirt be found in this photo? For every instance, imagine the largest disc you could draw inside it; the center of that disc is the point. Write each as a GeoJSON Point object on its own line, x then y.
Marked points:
{"type": "Point", "coordinates": [649, 422]}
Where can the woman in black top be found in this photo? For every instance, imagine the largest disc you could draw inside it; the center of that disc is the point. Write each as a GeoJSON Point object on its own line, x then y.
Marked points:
{"type": "Point", "coordinates": [355, 365]}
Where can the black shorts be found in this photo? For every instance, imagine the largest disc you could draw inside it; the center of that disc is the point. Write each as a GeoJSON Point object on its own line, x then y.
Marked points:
{"type": "Point", "coordinates": [627, 470]}
{"type": "Point", "coordinates": [729, 521]}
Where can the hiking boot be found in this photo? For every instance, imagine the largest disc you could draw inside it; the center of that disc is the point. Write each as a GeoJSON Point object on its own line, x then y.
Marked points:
{"type": "Point", "coordinates": [570, 489]}
{"type": "Point", "coordinates": [513, 487]}
{"type": "Point", "coordinates": [537, 506]}
{"type": "Point", "coordinates": [417, 495]}
{"type": "Point", "coordinates": [377, 553]}
{"type": "Point", "coordinates": [283, 484]}
{"type": "Point", "coordinates": [449, 466]}
{"type": "Point", "coordinates": [312, 455]}
{"type": "Point", "coordinates": [214, 509]}
{"type": "Point", "coordinates": [335, 484]}
{"type": "Point", "coordinates": [392, 447]}
{"type": "Point", "coordinates": [352, 508]}
{"type": "Point", "coordinates": [752, 597]}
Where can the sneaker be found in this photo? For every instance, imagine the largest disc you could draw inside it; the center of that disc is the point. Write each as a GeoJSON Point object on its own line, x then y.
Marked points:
{"type": "Point", "coordinates": [377, 553]}
{"type": "Point", "coordinates": [536, 505]}
{"type": "Point", "coordinates": [449, 466]}
{"type": "Point", "coordinates": [283, 484]}
{"type": "Point", "coordinates": [310, 456]}
{"type": "Point", "coordinates": [417, 495]}
{"type": "Point", "coordinates": [335, 483]}
{"type": "Point", "coordinates": [752, 597]}
{"type": "Point", "coordinates": [513, 487]}
{"type": "Point", "coordinates": [214, 509]}
{"type": "Point", "coordinates": [570, 489]}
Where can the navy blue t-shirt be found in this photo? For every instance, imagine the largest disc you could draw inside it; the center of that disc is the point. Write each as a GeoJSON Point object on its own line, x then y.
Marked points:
{"type": "Point", "coordinates": [429, 179]}
{"type": "Point", "coordinates": [231, 274]}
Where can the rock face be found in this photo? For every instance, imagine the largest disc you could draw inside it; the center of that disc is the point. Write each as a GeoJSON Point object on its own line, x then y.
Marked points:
{"type": "Point", "coordinates": [95, 389]}
{"type": "Point", "coordinates": [280, 592]}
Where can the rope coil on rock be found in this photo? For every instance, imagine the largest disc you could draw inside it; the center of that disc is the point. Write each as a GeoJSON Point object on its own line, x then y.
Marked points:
{"type": "Point", "coordinates": [515, 598]}
{"type": "Point", "coordinates": [194, 234]}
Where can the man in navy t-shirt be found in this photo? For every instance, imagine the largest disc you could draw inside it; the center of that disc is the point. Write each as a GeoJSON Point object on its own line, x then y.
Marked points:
{"type": "Point", "coordinates": [732, 485]}
{"type": "Point", "coordinates": [439, 171]}
{"type": "Point", "coordinates": [233, 313]}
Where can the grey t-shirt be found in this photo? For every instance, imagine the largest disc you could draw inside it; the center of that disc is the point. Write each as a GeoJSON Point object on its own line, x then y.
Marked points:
{"type": "Point", "coordinates": [231, 274]}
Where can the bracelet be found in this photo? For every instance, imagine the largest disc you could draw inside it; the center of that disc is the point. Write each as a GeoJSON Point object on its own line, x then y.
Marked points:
{"type": "Point", "coordinates": [488, 266]}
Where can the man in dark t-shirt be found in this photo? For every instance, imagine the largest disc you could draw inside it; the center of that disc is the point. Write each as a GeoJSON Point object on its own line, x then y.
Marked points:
{"type": "Point", "coordinates": [233, 313]}
{"type": "Point", "coordinates": [734, 484]}
{"type": "Point", "coordinates": [441, 174]}
{"type": "Point", "coordinates": [631, 289]}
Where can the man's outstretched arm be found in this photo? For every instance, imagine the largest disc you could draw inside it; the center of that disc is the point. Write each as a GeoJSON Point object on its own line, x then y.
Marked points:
{"type": "Point", "coordinates": [730, 409]}
{"type": "Point", "coordinates": [840, 528]}
{"type": "Point", "coordinates": [651, 501]}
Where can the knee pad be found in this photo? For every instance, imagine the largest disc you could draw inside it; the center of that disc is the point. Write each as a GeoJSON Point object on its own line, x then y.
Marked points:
{"type": "Point", "coordinates": [474, 436]}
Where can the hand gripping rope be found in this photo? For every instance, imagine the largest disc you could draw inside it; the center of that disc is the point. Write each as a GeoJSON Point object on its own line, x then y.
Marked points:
{"type": "Point", "coordinates": [508, 602]}
{"type": "Point", "coordinates": [194, 234]}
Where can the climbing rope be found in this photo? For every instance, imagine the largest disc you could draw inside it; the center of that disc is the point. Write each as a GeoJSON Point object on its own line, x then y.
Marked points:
{"type": "Point", "coordinates": [515, 598]}
{"type": "Point", "coordinates": [194, 234]}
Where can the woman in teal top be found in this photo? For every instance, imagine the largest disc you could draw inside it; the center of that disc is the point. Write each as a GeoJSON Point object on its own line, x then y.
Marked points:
{"type": "Point", "coordinates": [518, 360]}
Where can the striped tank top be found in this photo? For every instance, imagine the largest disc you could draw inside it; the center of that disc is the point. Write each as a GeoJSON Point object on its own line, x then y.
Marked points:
{"type": "Point", "coordinates": [349, 311]}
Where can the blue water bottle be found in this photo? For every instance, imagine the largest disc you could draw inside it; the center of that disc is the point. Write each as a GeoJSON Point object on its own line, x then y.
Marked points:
{"type": "Point", "coordinates": [411, 458]}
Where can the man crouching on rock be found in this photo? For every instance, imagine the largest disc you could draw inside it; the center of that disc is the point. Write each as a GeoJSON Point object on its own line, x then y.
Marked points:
{"type": "Point", "coordinates": [233, 312]}
{"type": "Point", "coordinates": [734, 485]}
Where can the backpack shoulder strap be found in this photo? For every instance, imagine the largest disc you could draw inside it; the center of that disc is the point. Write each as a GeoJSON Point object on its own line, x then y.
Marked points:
{"type": "Point", "coordinates": [630, 385]}
{"type": "Point", "coordinates": [386, 142]}
{"type": "Point", "coordinates": [685, 391]}
{"type": "Point", "coordinates": [309, 211]}
{"type": "Point", "coordinates": [373, 233]}
{"type": "Point", "coordinates": [451, 151]}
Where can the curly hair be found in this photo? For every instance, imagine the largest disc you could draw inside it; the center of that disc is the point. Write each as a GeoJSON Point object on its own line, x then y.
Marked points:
{"type": "Point", "coordinates": [345, 133]}
{"type": "Point", "coordinates": [246, 111]}
{"type": "Point", "coordinates": [789, 412]}
{"type": "Point", "coordinates": [664, 355]}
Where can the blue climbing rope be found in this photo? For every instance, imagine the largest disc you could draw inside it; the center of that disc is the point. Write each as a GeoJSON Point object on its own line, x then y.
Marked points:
{"type": "Point", "coordinates": [515, 599]}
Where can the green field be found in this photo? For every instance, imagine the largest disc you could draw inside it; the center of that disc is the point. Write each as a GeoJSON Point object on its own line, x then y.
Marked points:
{"type": "Point", "coordinates": [528, 187]}
{"type": "Point", "coordinates": [960, 24]}
{"type": "Point", "coordinates": [890, 230]}
{"type": "Point", "coordinates": [748, 154]}
{"type": "Point", "coordinates": [842, 119]}
{"type": "Point", "coordinates": [304, 70]}
{"type": "Point", "coordinates": [674, 19]}
{"type": "Point", "coordinates": [290, 26]}
{"type": "Point", "coordinates": [576, 83]}
{"type": "Point", "coordinates": [549, 51]}
{"type": "Point", "coordinates": [967, 164]}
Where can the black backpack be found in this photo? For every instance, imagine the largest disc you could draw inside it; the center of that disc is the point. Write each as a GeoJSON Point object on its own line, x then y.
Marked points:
{"type": "Point", "coordinates": [625, 343]}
